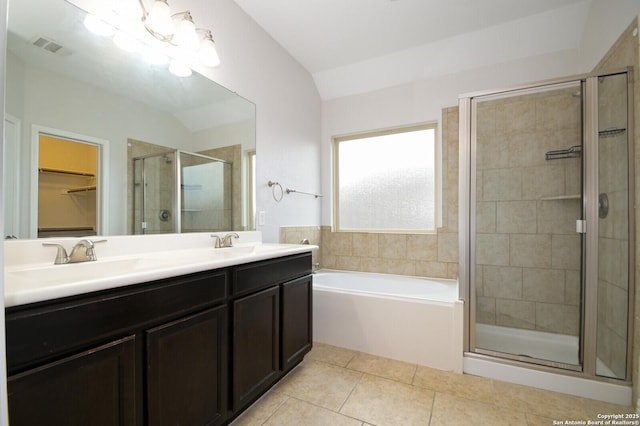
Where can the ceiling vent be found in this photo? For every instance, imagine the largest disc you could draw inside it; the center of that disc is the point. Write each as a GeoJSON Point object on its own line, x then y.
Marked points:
{"type": "Point", "coordinates": [50, 45]}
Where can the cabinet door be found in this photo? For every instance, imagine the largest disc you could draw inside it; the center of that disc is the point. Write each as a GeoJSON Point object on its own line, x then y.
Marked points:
{"type": "Point", "coordinates": [187, 370]}
{"type": "Point", "coordinates": [296, 305]}
{"type": "Point", "coordinates": [95, 387]}
{"type": "Point", "coordinates": [256, 343]}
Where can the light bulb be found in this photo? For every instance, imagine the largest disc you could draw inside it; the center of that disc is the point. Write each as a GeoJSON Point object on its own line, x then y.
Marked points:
{"type": "Point", "coordinates": [126, 42]}
{"type": "Point", "coordinates": [185, 36]}
{"type": "Point", "coordinates": [98, 26]}
{"type": "Point", "coordinates": [159, 19]}
{"type": "Point", "coordinates": [208, 53]}
{"type": "Point", "coordinates": [179, 69]}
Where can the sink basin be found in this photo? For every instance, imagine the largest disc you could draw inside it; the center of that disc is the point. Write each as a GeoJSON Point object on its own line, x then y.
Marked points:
{"type": "Point", "coordinates": [60, 274]}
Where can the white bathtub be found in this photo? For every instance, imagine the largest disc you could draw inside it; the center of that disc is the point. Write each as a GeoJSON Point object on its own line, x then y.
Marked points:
{"type": "Point", "coordinates": [412, 319]}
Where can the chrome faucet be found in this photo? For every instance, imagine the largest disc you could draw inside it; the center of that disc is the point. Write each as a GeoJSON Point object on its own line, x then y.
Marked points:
{"type": "Point", "coordinates": [83, 251]}
{"type": "Point", "coordinates": [224, 241]}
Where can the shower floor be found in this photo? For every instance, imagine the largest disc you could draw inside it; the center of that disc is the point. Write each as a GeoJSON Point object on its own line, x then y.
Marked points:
{"type": "Point", "coordinates": [535, 344]}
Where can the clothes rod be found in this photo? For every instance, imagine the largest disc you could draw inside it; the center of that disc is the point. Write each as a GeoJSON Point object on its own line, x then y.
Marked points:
{"type": "Point", "coordinates": [289, 191]}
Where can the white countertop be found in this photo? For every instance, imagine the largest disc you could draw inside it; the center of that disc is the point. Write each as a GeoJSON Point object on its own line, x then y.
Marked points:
{"type": "Point", "coordinates": [122, 261]}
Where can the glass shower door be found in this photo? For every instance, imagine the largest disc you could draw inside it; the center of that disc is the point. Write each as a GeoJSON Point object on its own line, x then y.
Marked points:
{"type": "Point", "coordinates": [614, 245]}
{"type": "Point", "coordinates": [205, 193]}
{"type": "Point", "coordinates": [154, 194]}
{"type": "Point", "coordinates": [526, 196]}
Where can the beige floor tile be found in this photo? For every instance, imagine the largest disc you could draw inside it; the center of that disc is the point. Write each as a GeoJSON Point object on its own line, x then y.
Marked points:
{"type": "Point", "coordinates": [298, 413]}
{"type": "Point", "coordinates": [533, 420]}
{"type": "Point", "coordinates": [593, 408]}
{"type": "Point", "coordinates": [465, 385]}
{"type": "Point", "coordinates": [383, 367]}
{"type": "Point", "coordinates": [540, 402]}
{"type": "Point", "coordinates": [451, 410]}
{"type": "Point", "coordinates": [331, 354]}
{"type": "Point", "coordinates": [320, 383]}
{"type": "Point", "coordinates": [261, 410]}
{"type": "Point", "coordinates": [385, 402]}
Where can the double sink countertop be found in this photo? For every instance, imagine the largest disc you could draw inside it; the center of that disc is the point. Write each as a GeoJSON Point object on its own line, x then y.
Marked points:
{"type": "Point", "coordinates": [31, 276]}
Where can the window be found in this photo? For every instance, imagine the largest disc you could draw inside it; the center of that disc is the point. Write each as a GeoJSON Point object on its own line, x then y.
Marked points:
{"type": "Point", "coordinates": [386, 181]}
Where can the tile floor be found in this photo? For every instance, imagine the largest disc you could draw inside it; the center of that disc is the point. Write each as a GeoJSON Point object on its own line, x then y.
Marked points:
{"type": "Point", "coordinates": [337, 386]}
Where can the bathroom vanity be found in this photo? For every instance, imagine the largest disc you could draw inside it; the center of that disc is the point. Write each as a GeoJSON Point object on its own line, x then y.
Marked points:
{"type": "Point", "coordinates": [194, 349]}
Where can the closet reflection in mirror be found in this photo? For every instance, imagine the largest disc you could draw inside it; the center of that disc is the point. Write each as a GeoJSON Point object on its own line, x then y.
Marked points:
{"type": "Point", "coordinates": [67, 179]}
{"type": "Point", "coordinates": [91, 87]}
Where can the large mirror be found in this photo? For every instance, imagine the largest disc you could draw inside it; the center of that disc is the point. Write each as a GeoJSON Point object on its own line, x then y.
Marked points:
{"type": "Point", "coordinates": [65, 82]}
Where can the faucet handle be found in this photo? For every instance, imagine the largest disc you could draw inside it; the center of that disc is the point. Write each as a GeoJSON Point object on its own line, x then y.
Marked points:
{"type": "Point", "coordinates": [216, 243]}
{"type": "Point", "coordinates": [61, 256]}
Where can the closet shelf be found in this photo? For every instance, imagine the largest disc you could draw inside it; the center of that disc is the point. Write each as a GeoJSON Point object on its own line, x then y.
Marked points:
{"type": "Point", "coordinates": [65, 172]}
{"type": "Point", "coordinates": [562, 197]}
{"type": "Point", "coordinates": [81, 189]}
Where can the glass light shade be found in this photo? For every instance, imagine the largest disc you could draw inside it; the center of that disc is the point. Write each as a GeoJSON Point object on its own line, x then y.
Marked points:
{"type": "Point", "coordinates": [185, 36]}
{"type": "Point", "coordinates": [159, 19]}
{"type": "Point", "coordinates": [126, 42]}
{"type": "Point", "coordinates": [154, 56]}
{"type": "Point", "coordinates": [208, 53]}
{"type": "Point", "coordinates": [179, 69]}
{"type": "Point", "coordinates": [98, 26]}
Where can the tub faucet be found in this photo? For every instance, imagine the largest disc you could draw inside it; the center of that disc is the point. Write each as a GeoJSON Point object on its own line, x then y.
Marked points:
{"type": "Point", "coordinates": [83, 251]}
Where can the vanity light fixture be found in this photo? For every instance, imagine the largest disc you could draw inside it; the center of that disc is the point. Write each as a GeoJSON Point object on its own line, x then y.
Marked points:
{"type": "Point", "coordinates": [161, 23]}
{"type": "Point", "coordinates": [177, 32]}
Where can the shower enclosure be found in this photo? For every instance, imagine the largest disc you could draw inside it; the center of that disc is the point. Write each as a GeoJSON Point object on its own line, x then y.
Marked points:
{"type": "Point", "coordinates": [546, 197]}
{"type": "Point", "coordinates": [197, 187]}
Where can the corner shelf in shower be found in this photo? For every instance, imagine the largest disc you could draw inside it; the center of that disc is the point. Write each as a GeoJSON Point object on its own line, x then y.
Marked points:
{"type": "Point", "coordinates": [562, 197]}
{"type": "Point", "coordinates": [612, 131]}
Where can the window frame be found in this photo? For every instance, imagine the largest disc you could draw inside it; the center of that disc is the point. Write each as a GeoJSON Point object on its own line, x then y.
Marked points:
{"type": "Point", "coordinates": [336, 140]}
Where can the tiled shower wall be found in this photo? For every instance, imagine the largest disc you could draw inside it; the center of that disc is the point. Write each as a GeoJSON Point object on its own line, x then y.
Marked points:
{"type": "Point", "coordinates": [429, 255]}
{"type": "Point", "coordinates": [527, 250]}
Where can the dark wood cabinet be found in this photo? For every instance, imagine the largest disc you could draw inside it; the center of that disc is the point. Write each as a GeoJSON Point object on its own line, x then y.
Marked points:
{"type": "Point", "coordinates": [296, 301]}
{"type": "Point", "coordinates": [192, 350]}
{"type": "Point", "coordinates": [94, 387]}
{"type": "Point", "coordinates": [256, 325]}
{"type": "Point", "coordinates": [187, 370]}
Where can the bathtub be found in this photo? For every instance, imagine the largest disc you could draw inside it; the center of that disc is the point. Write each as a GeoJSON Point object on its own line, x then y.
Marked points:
{"type": "Point", "coordinates": [411, 319]}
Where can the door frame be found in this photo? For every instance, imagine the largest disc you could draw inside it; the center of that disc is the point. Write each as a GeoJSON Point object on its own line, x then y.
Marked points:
{"type": "Point", "coordinates": [102, 180]}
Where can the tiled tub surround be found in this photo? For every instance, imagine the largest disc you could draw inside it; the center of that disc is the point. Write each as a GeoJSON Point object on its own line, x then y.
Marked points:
{"type": "Point", "coordinates": [427, 255]}
{"type": "Point", "coordinates": [528, 253]}
{"type": "Point", "coordinates": [337, 386]}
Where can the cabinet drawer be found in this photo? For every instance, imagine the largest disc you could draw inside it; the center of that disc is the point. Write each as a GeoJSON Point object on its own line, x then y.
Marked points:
{"type": "Point", "coordinates": [42, 332]}
{"type": "Point", "coordinates": [259, 275]}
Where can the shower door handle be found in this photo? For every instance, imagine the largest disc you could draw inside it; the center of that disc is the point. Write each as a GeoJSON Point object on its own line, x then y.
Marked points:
{"type": "Point", "coordinates": [581, 226]}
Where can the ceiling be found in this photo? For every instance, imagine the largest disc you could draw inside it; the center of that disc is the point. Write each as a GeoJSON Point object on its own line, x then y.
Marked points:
{"type": "Point", "coordinates": [326, 36]}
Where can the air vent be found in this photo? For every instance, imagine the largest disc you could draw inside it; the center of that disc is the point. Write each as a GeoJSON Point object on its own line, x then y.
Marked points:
{"type": "Point", "coordinates": [50, 45]}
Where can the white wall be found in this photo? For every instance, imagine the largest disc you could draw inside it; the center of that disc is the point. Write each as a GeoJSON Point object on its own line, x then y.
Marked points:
{"type": "Point", "coordinates": [4, 417]}
{"type": "Point", "coordinates": [287, 110]}
{"type": "Point", "coordinates": [423, 100]}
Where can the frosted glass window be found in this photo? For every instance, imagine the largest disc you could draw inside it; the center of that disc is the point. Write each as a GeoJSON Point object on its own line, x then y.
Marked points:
{"type": "Point", "coordinates": [386, 181]}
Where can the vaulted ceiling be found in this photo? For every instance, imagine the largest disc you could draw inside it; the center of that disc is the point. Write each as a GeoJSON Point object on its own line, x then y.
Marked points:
{"type": "Point", "coordinates": [361, 45]}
